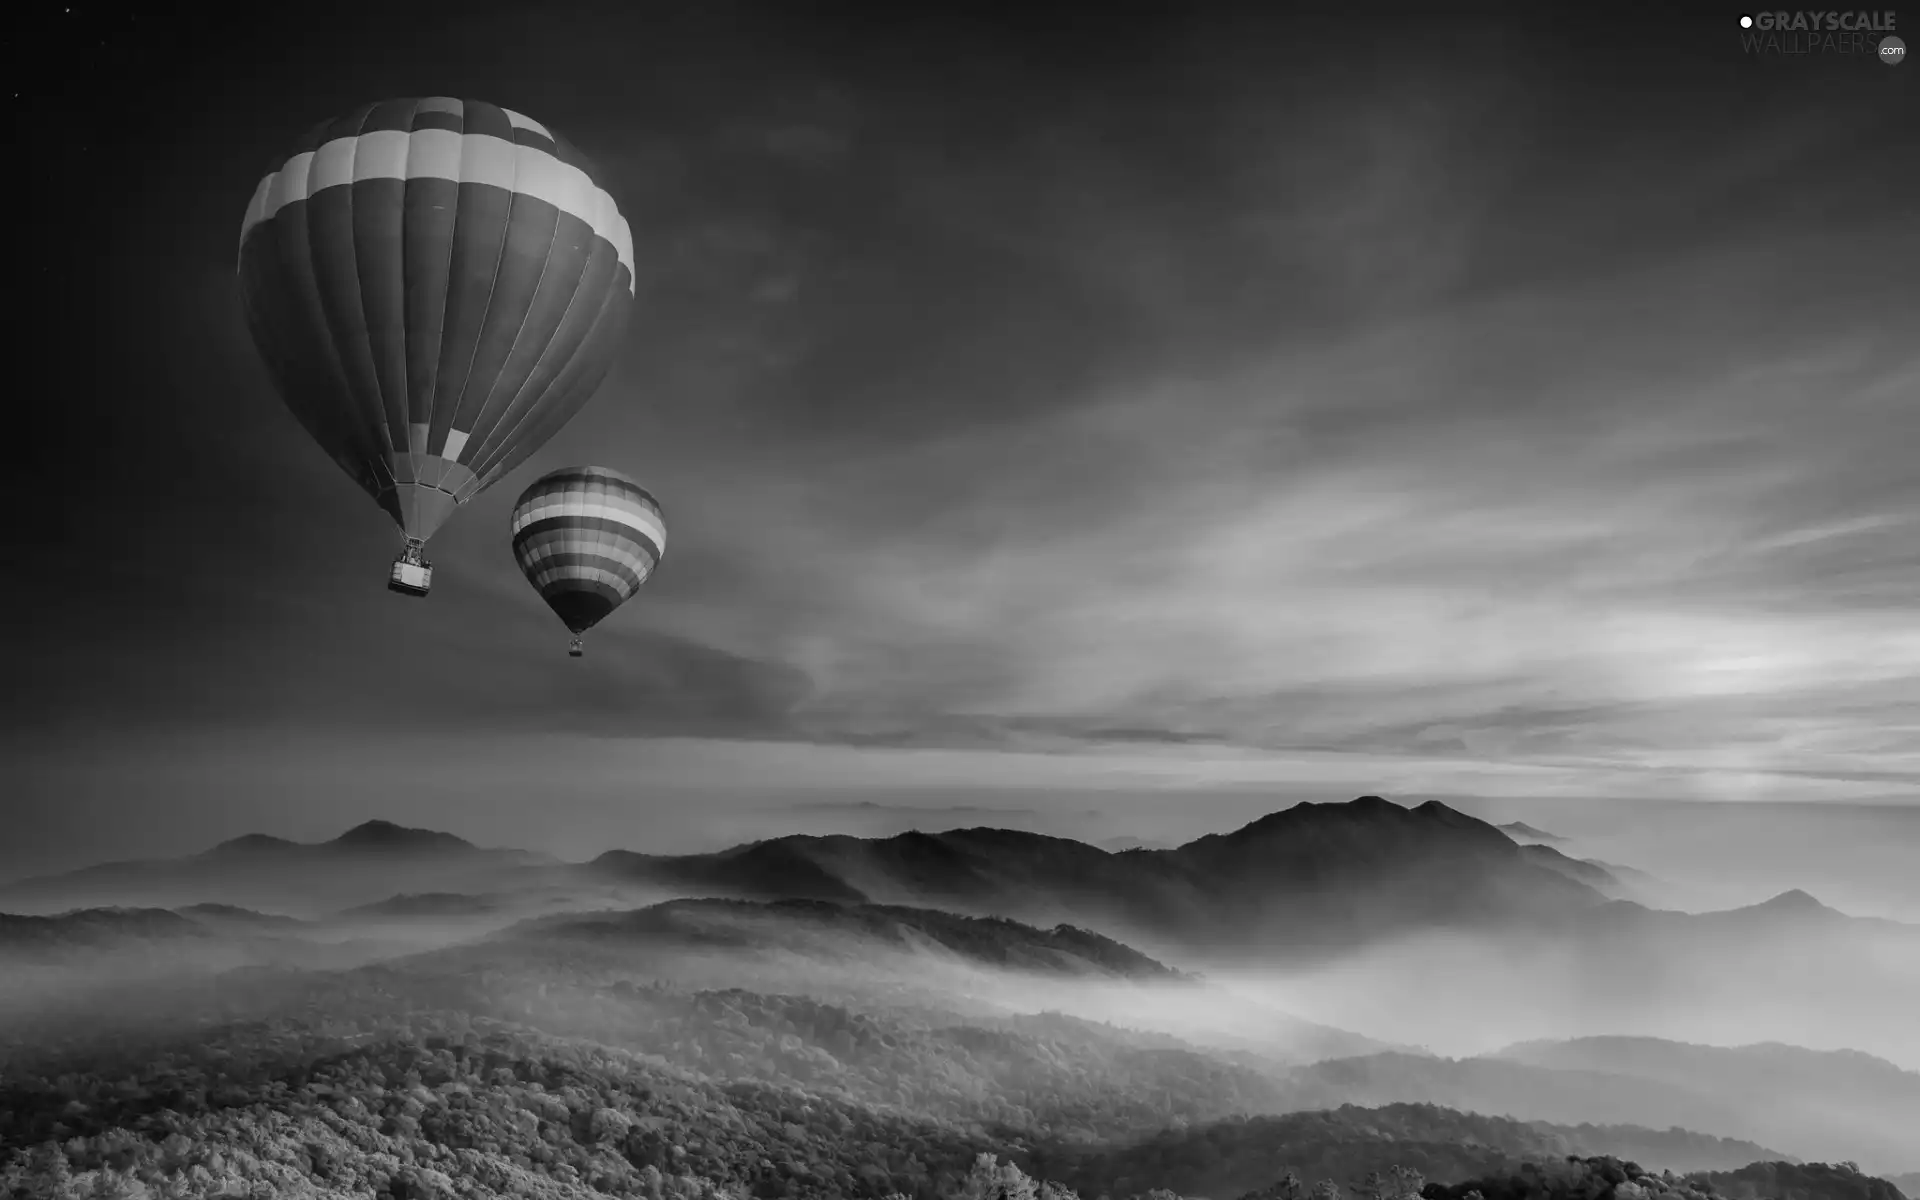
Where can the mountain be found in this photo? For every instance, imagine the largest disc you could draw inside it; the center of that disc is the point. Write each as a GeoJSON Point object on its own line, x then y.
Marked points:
{"type": "Point", "coordinates": [415, 1099]}
{"type": "Point", "coordinates": [1314, 878]}
{"type": "Point", "coordinates": [425, 904]}
{"type": "Point", "coordinates": [1841, 1106]}
{"type": "Point", "coordinates": [829, 1049]}
{"type": "Point", "coordinates": [93, 929]}
{"type": "Point", "coordinates": [1581, 870]}
{"type": "Point", "coordinates": [52, 968]}
{"type": "Point", "coordinates": [1309, 883]}
{"type": "Point", "coordinates": [823, 928]}
{"type": "Point", "coordinates": [233, 917]}
{"type": "Point", "coordinates": [1797, 1181]}
{"type": "Point", "coordinates": [1609, 879]}
{"type": "Point", "coordinates": [385, 836]}
{"type": "Point", "coordinates": [1520, 829]}
{"type": "Point", "coordinates": [1793, 915]}
{"type": "Point", "coordinates": [1234, 1157]}
{"type": "Point", "coordinates": [922, 958]}
{"type": "Point", "coordinates": [1618, 1177]}
{"type": "Point", "coordinates": [367, 863]}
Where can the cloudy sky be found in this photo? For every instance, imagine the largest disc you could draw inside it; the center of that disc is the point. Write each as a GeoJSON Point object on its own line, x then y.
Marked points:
{"type": "Point", "coordinates": [1203, 401]}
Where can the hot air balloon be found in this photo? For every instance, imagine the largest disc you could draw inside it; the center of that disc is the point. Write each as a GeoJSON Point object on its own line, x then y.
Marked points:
{"type": "Point", "coordinates": [437, 286]}
{"type": "Point", "coordinates": [586, 538]}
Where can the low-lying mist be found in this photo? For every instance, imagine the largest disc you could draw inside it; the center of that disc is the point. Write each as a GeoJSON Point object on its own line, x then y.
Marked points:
{"type": "Point", "coordinates": [1461, 994]}
{"type": "Point", "coordinates": [976, 1020]}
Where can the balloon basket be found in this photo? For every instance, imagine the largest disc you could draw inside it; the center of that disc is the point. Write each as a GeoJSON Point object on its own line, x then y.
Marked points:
{"type": "Point", "coordinates": [412, 574]}
{"type": "Point", "coordinates": [575, 650]}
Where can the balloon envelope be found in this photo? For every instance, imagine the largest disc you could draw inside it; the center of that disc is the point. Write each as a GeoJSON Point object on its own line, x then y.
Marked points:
{"type": "Point", "coordinates": [586, 538]}
{"type": "Point", "coordinates": [436, 286]}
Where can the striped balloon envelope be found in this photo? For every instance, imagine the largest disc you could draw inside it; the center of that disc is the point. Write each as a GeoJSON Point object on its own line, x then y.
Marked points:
{"type": "Point", "coordinates": [586, 538]}
{"type": "Point", "coordinates": [437, 286]}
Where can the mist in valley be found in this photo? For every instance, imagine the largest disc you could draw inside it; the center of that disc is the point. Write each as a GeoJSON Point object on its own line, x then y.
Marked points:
{"type": "Point", "coordinates": [734, 988]}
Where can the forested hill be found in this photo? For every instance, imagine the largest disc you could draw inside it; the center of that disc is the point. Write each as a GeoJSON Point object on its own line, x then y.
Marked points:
{"type": "Point", "coordinates": [440, 1106]}
{"type": "Point", "coordinates": [1233, 1157]}
{"type": "Point", "coordinates": [1799, 1181]}
{"type": "Point", "coordinates": [817, 927]}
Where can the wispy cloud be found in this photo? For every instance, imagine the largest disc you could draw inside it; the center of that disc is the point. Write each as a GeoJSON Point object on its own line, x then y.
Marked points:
{"type": "Point", "coordinates": [1381, 440]}
{"type": "Point", "coordinates": [1192, 406]}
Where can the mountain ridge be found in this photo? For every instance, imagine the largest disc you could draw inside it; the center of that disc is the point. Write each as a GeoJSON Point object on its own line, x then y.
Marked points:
{"type": "Point", "coordinates": [1312, 877]}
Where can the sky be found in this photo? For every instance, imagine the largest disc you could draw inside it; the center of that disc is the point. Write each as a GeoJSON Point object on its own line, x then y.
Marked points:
{"type": "Point", "coordinates": [1213, 402]}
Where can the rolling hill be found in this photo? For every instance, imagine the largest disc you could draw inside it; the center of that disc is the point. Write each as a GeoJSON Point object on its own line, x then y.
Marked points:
{"type": "Point", "coordinates": [365, 864]}
{"type": "Point", "coordinates": [1310, 880]}
{"type": "Point", "coordinates": [1841, 1105]}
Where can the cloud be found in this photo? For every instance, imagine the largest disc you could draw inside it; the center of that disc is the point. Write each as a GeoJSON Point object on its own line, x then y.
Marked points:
{"type": "Point", "coordinates": [1223, 403]}
{"type": "Point", "coordinates": [1359, 435]}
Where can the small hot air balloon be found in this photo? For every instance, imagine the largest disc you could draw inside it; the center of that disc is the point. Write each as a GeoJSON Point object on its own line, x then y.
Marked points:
{"type": "Point", "coordinates": [437, 286]}
{"type": "Point", "coordinates": [586, 538]}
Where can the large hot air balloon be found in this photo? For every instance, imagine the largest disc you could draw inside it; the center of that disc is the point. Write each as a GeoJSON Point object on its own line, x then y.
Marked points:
{"type": "Point", "coordinates": [436, 286]}
{"type": "Point", "coordinates": [586, 538]}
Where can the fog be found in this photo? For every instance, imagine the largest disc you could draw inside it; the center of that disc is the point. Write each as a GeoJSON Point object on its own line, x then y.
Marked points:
{"type": "Point", "coordinates": [1863, 859]}
{"type": "Point", "coordinates": [340, 935]}
{"type": "Point", "coordinates": [1462, 995]}
{"type": "Point", "coordinates": [557, 962]}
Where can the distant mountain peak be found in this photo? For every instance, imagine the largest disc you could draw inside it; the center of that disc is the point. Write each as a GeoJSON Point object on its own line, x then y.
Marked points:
{"type": "Point", "coordinates": [1521, 829]}
{"type": "Point", "coordinates": [1366, 810]}
{"type": "Point", "coordinates": [252, 843]}
{"type": "Point", "coordinates": [1794, 901]}
{"type": "Point", "coordinates": [379, 834]}
{"type": "Point", "coordinates": [1371, 808]}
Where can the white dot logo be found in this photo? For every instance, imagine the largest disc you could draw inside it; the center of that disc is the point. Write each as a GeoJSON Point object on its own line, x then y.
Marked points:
{"type": "Point", "coordinates": [1746, 22]}
{"type": "Point", "coordinates": [1893, 51]}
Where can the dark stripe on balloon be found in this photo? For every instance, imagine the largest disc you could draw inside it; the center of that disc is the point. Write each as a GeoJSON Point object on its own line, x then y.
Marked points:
{"type": "Point", "coordinates": [379, 223]}
{"type": "Point", "coordinates": [355, 432]}
{"type": "Point", "coordinates": [604, 591]}
{"type": "Point", "coordinates": [588, 524]}
{"type": "Point", "coordinates": [489, 120]}
{"type": "Point", "coordinates": [539, 141]}
{"type": "Point", "coordinates": [626, 549]}
{"type": "Point", "coordinates": [479, 233]}
{"type": "Point", "coordinates": [581, 608]}
{"type": "Point", "coordinates": [625, 573]}
{"type": "Point", "coordinates": [519, 425]}
{"type": "Point", "coordinates": [524, 259]}
{"type": "Point", "coordinates": [428, 221]}
{"type": "Point", "coordinates": [565, 260]}
{"type": "Point", "coordinates": [377, 243]}
{"type": "Point", "coordinates": [450, 122]}
{"type": "Point", "coordinates": [576, 382]}
{"type": "Point", "coordinates": [278, 315]}
{"type": "Point", "coordinates": [336, 273]}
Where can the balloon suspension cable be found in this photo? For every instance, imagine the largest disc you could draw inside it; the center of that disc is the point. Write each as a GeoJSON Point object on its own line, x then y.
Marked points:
{"type": "Point", "coordinates": [574, 650]}
{"type": "Point", "coordinates": [414, 552]}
